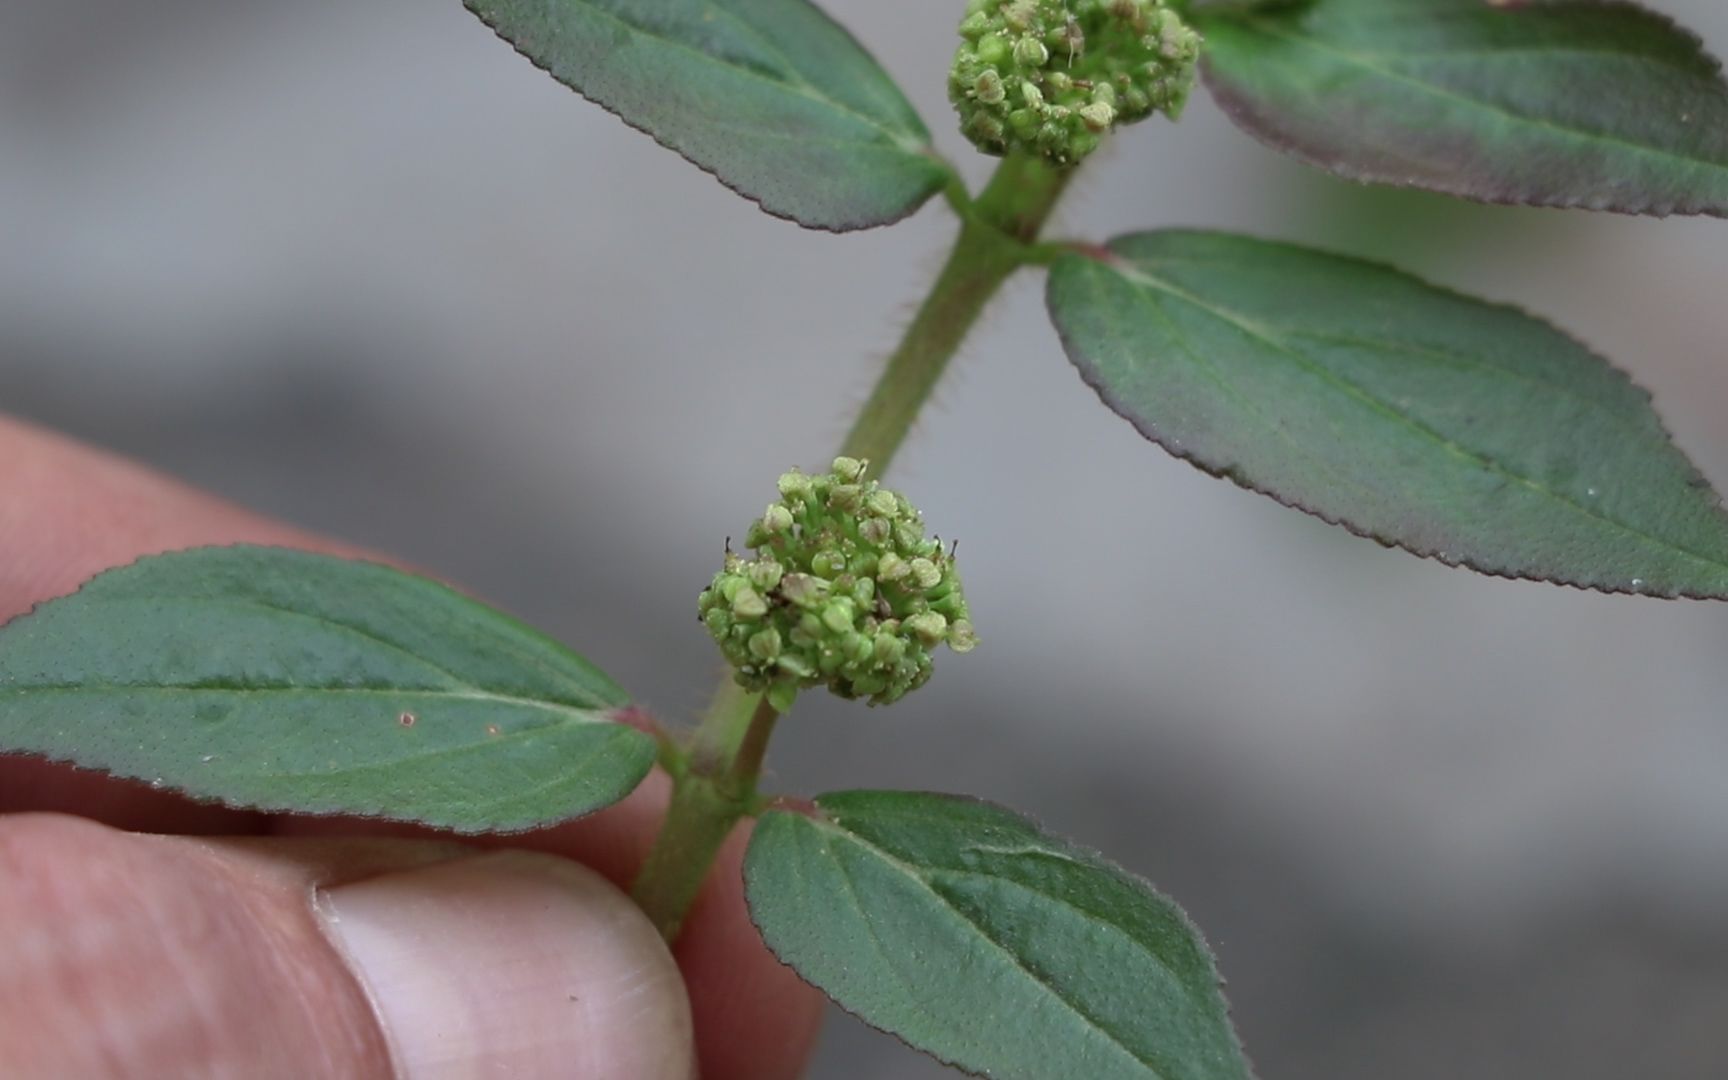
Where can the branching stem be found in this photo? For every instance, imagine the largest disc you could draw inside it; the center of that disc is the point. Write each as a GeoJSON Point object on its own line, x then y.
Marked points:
{"type": "Point", "coordinates": [714, 781]}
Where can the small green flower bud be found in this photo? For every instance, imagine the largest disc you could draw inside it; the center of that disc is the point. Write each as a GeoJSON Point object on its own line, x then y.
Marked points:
{"type": "Point", "coordinates": [925, 575]}
{"type": "Point", "coordinates": [795, 487]}
{"type": "Point", "coordinates": [888, 649]}
{"type": "Point", "coordinates": [803, 590]}
{"type": "Point", "coordinates": [747, 603]}
{"type": "Point", "coordinates": [994, 50]}
{"type": "Point", "coordinates": [856, 647]}
{"type": "Point", "coordinates": [845, 497]}
{"type": "Point", "coordinates": [839, 613]}
{"type": "Point", "coordinates": [828, 564]}
{"type": "Point", "coordinates": [781, 695]}
{"type": "Point", "coordinates": [765, 644]}
{"type": "Point", "coordinates": [1098, 116]}
{"type": "Point", "coordinates": [843, 591]}
{"type": "Point", "coordinates": [989, 88]}
{"type": "Point", "coordinates": [766, 574]}
{"type": "Point", "coordinates": [808, 631]}
{"type": "Point", "coordinates": [929, 626]}
{"type": "Point", "coordinates": [1030, 52]}
{"type": "Point", "coordinates": [875, 531]}
{"type": "Point", "coordinates": [961, 637]}
{"type": "Point", "coordinates": [829, 658]}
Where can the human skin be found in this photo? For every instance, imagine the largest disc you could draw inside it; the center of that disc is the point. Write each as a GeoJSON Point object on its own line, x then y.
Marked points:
{"type": "Point", "coordinates": [136, 944]}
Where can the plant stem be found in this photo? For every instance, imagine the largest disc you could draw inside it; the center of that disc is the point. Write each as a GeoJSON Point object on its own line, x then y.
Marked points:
{"type": "Point", "coordinates": [714, 786]}
{"type": "Point", "coordinates": [994, 236]}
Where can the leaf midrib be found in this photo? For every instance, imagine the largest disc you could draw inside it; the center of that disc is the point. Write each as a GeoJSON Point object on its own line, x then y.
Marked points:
{"type": "Point", "coordinates": [901, 108]}
{"type": "Point", "coordinates": [1363, 61]}
{"type": "Point", "coordinates": [421, 756]}
{"type": "Point", "coordinates": [585, 715]}
{"type": "Point", "coordinates": [1232, 265]}
{"type": "Point", "coordinates": [1256, 331]}
{"type": "Point", "coordinates": [592, 700]}
{"type": "Point", "coordinates": [907, 141]}
{"type": "Point", "coordinates": [912, 872]}
{"type": "Point", "coordinates": [1226, 386]}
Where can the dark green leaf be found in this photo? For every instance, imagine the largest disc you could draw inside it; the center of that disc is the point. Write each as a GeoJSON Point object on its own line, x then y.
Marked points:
{"type": "Point", "coordinates": [974, 936]}
{"type": "Point", "coordinates": [1439, 423]}
{"type": "Point", "coordinates": [771, 96]}
{"type": "Point", "coordinates": [1598, 105]}
{"type": "Point", "coordinates": [280, 680]}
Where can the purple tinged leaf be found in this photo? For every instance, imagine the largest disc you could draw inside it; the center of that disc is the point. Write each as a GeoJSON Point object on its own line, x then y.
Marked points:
{"type": "Point", "coordinates": [1603, 106]}
{"type": "Point", "coordinates": [1444, 425]}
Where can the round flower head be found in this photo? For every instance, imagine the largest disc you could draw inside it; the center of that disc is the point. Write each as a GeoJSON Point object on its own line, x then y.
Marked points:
{"type": "Point", "coordinates": [844, 590]}
{"type": "Point", "coordinates": [1054, 76]}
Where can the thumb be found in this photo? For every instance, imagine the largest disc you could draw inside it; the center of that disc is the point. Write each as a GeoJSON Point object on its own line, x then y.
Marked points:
{"type": "Point", "coordinates": [128, 956]}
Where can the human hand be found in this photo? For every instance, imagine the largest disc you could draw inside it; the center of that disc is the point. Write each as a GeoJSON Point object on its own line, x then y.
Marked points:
{"type": "Point", "coordinates": [305, 947]}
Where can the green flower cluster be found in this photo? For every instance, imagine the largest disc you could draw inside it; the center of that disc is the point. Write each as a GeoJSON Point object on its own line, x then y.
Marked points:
{"type": "Point", "coordinates": [844, 591]}
{"type": "Point", "coordinates": [1054, 76]}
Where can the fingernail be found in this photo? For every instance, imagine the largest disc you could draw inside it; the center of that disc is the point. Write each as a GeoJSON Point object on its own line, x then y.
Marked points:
{"type": "Point", "coordinates": [513, 964]}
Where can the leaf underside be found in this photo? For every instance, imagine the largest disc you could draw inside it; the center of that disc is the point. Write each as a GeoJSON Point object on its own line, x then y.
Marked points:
{"type": "Point", "coordinates": [970, 934]}
{"type": "Point", "coordinates": [772, 97]}
{"type": "Point", "coordinates": [1604, 106]}
{"type": "Point", "coordinates": [1441, 424]}
{"type": "Point", "coordinates": [285, 681]}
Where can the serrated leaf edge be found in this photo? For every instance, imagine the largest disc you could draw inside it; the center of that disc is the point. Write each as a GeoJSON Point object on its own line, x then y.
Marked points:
{"type": "Point", "coordinates": [824, 821]}
{"type": "Point", "coordinates": [1089, 375]}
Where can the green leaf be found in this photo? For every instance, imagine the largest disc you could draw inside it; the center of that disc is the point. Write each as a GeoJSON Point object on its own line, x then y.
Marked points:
{"type": "Point", "coordinates": [775, 99]}
{"type": "Point", "coordinates": [1435, 422]}
{"type": "Point", "coordinates": [280, 680]}
{"type": "Point", "coordinates": [1598, 105]}
{"type": "Point", "coordinates": [972, 935]}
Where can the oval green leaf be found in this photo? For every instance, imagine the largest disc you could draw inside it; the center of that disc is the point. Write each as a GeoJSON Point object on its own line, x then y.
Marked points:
{"type": "Point", "coordinates": [285, 681]}
{"type": "Point", "coordinates": [1453, 428]}
{"type": "Point", "coordinates": [772, 97]}
{"type": "Point", "coordinates": [966, 931]}
{"type": "Point", "coordinates": [1604, 106]}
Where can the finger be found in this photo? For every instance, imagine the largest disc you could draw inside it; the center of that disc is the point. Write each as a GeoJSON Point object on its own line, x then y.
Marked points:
{"type": "Point", "coordinates": [131, 955]}
{"type": "Point", "coordinates": [71, 511]}
{"type": "Point", "coordinates": [755, 1019]}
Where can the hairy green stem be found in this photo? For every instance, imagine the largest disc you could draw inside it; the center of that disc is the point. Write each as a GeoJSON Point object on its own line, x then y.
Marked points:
{"type": "Point", "coordinates": [995, 235]}
{"type": "Point", "coordinates": [715, 789]}
{"type": "Point", "coordinates": [714, 783]}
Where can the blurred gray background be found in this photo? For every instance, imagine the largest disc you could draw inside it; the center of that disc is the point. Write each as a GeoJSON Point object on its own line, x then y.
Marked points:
{"type": "Point", "coordinates": [359, 266]}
